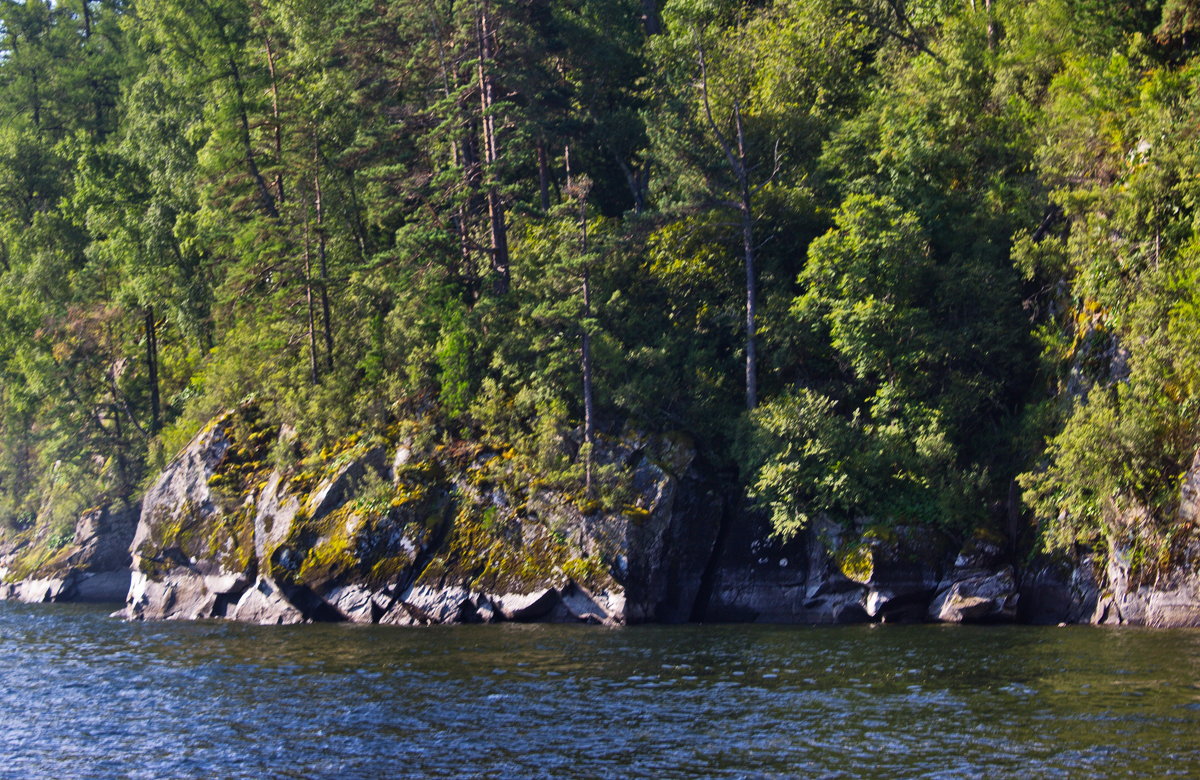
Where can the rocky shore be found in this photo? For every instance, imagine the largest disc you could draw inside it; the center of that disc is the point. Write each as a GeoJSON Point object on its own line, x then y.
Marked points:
{"type": "Point", "coordinates": [399, 532]}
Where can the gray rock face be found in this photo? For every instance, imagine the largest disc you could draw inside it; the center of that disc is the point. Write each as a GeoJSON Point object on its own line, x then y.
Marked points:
{"type": "Point", "coordinates": [1078, 590]}
{"type": "Point", "coordinates": [826, 574]}
{"type": "Point", "coordinates": [102, 538]}
{"type": "Point", "coordinates": [411, 536]}
{"type": "Point", "coordinates": [987, 596]}
{"type": "Point", "coordinates": [414, 535]}
{"type": "Point", "coordinates": [981, 587]}
{"type": "Point", "coordinates": [906, 569]}
{"type": "Point", "coordinates": [263, 603]}
{"type": "Point", "coordinates": [38, 590]}
{"type": "Point", "coordinates": [1171, 600]}
{"type": "Point", "coordinates": [193, 549]}
{"type": "Point", "coordinates": [1059, 590]}
{"type": "Point", "coordinates": [1104, 587]}
{"type": "Point", "coordinates": [185, 594]}
{"type": "Point", "coordinates": [758, 578]}
{"type": "Point", "coordinates": [93, 567]}
{"type": "Point", "coordinates": [108, 587]}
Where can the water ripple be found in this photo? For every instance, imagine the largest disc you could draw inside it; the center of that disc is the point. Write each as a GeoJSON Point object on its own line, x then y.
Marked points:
{"type": "Point", "coordinates": [84, 695]}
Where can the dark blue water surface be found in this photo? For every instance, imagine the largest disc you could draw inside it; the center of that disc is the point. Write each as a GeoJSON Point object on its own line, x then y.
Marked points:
{"type": "Point", "coordinates": [85, 695]}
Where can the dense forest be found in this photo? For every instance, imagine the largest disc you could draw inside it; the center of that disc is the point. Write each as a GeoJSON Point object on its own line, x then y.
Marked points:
{"type": "Point", "coordinates": [931, 262]}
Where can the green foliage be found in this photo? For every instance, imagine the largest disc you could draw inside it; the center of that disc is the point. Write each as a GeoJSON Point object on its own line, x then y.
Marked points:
{"type": "Point", "coordinates": [453, 355]}
{"type": "Point", "coordinates": [355, 214]}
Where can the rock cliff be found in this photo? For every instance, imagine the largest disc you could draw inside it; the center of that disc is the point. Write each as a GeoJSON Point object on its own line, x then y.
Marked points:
{"type": "Point", "coordinates": [92, 566]}
{"type": "Point", "coordinates": [392, 530]}
{"type": "Point", "coordinates": [1114, 589]}
{"type": "Point", "coordinates": [389, 531]}
{"type": "Point", "coordinates": [835, 574]}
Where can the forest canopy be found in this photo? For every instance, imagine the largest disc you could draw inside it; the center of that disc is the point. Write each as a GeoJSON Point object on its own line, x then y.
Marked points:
{"type": "Point", "coordinates": [932, 263]}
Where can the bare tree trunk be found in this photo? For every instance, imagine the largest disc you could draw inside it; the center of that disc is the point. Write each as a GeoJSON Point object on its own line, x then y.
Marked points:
{"type": "Point", "coordinates": [119, 446]}
{"type": "Point", "coordinates": [463, 156]}
{"type": "Point", "coordinates": [636, 182]}
{"type": "Point", "coordinates": [356, 221]}
{"type": "Point", "coordinates": [543, 174]}
{"type": "Point", "coordinates": [651, 19]}
{"type": "Point", "coordinates": [37, 102]}
{"type": "Point", "coordinates": [991, 25]}
{"type": "Point", "coordinates": [579, 188]}
{"type": "Point", "coordinates": [495, 204]}
{"type": "Point", "coordinates": [589, 403]}
{"type": "Point", "coordinates": [736, 156]}
{"type": "Point", "coordinates": [468, 211]}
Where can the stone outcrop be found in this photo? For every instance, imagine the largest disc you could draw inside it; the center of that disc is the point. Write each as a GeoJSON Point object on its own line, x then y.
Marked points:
{"type": "Point", "coordinates": [1061, 589]}
{"type": "Point", "coordinates": [389, 531]}
{"type": "Point", "coordinates": [1106, 587]}
{"type": "Point", "coordinates": [1078, 589]}
{"type": "Point", "coordinates": [392, 530]}
{"type": "Point", "coordinates": [827, 574]}
{"type": "Point", "coordinates": [265, 604]}
{"type": "Point", "coordinates": [193, 552]}
{"type": "Point", "coordinates": [980, 587]}
{"type": "Point", "coordinates": [94, 566]}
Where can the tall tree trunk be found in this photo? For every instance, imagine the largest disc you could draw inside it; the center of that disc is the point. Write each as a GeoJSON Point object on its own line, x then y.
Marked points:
{"type": "Point", "coordinates": [323, 262]}
{"type": "Point", "coordinates": [152, 371]}
{"type": "Point", "coordinates": [37, 102]}
{"type": "Point", "coordinates": [747, 219]}
{"type": "Point", "coordinates": [589, 403]}
{"type": "Point", "coordinates": [736, 155]}
{"type": "Point", "coordinates": [543, 165]}
{"type": "Point", "coordinates": [314, 372]}
{"type": "Point", "coordinates": [264, 193]}
{"type": "Point", "coordinates": [497, 225]}
{"type": "Point", "coordinates": [579, 189]}
{"type": "Point", "coordinates": [651, 19]}
{"type": "Point", "coordinates": [278, 123]}
{"type": "Point", "coordinates": [636, 181]}
{"type": "Point", "coordinates": [462, 155]}
{"type": "Point", "coordinates": [119, 447]}
{"type": "Point", "coordinates": [356, 221]}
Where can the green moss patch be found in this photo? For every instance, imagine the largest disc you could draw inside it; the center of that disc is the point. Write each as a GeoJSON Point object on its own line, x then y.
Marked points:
{"type": "Point", "coordinates": [856, 561]}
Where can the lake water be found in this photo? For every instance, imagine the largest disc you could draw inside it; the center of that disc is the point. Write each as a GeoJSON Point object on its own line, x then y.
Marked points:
{"type": "Point", "coordinates": [85, 695]}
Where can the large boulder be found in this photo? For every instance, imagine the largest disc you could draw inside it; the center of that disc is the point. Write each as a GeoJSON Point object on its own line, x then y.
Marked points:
{"type": "Point", "coordinates": [194, 548]}
{"type": "Point", "coordinates": [265, 604]}
{"type": "Point", "coordinates": [385, 530]}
